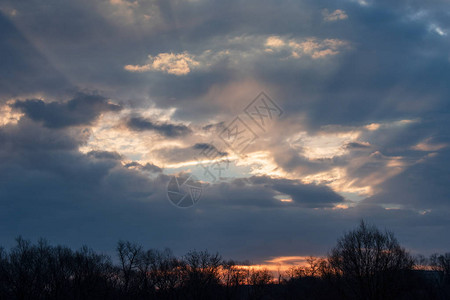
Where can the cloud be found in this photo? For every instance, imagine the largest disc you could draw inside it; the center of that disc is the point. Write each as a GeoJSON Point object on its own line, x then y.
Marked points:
{"type": "Point", "coordinates": [420, 186]}
{"type": "Point", "coordinates": [357, 145]}
{"type": "Point", "coordinates": [336, 15]}
{"type": "Point", "coordinates": [315, 48]}
{"type": "Point", "coordinates": [238, 50]}
{"type": "Point", "coordinates": [177, 64]}
{"type": "Point", "coordinates": [152, 168]}
{"type": "Point", "coordinates": [264, 192]}
{"type": "Point", "coordinates": [83, 192]}
{"type": "Point", "coordinates": [165, 129]}
{"type": "Point", "coordinates": [274, 42]}
{"type": "Point", "coordinates": [178, 154]}
{"type": "Point", "coordinates": [105, 155]}
{"type": "Point", "coordinates": [305, 195]}
{"type": "Point", "coordinates": [81, 110]}
{"type": "Point", "coordinates": [209, 147]}
{"type": "Point", "coordinates": [312, 47]}
{"type": "Point", "coordinates": [438, 30]}
{"type": "Point", "coordinates": [149, 167]}
{"type": "Point", "coordinates": [387, 62]}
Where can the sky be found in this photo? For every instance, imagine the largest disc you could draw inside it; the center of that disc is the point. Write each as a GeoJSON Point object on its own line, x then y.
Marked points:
{"type": "Point", "coordinates": [344, 108]}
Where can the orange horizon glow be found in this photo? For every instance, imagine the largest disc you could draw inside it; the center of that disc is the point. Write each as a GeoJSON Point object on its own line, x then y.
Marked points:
{"type": "Point", "coordinates": [280, 265]}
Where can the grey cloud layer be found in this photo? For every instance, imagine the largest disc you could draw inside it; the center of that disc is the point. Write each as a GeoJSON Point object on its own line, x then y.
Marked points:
{"type": "Point", "coordinates": [75, 199]}
{"type": "Point", "coordinates": [81, 110]}
{"type": "Point", "coordinates": [165, 129]}
{"type": "Point", "coordinates": [49, 188]}
{"type": "Point", "coordinates": [395, 66]}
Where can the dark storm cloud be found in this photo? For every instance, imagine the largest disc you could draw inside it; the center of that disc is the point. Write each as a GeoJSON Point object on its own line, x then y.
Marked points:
{"type": "Point", "coordinates": [105, 155]}
{"type": "Point", "coordinates": [152, 168]}
{"type": "Point", "coordinates": [165, 129]}
{"type": "Point", "coordinates": [421, 186]}
{"type": "Point", "coordinates": [215, 126]}
{"type": "Point", "coordinates": [133, 164]}
{"type": "Point", "coordinates": [48, 188]}
{"type": "Point", "coordinates": [309, 195]}
{"type": "Point", "coordinates": [81, 110]}
{"type": "Point", "coordinates": [260, 191]}
{"type": "Point", "coordinates": [291, 160]}
{"type": "Point", "coordinates": [399, 139]}
{"type": "Point", "coordinates": [421, 148]}
{"type": "Point", "coordinates": [147, 167]}
{"type": "Point", "coordinates": [183, 154]}
{"type": "Point", "coordinates": [356, 145]}
{"type": "Point", "coordinates": [209, 147]}
{"type": "Point", "coordinates": [26, 137]}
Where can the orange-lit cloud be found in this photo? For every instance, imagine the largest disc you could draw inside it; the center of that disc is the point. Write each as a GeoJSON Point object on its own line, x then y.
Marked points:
{"type": "Point", "coordinates": [8, 116]}
{"type": "Point", "coordinates": [177, 64]}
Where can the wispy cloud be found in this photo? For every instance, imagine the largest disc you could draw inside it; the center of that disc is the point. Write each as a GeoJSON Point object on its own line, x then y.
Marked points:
{"type": "Point", "coordinates": [336, 15]}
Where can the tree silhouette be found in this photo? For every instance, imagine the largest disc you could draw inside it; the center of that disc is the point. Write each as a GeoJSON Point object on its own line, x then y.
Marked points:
{"type": "Point", "coordinates": [365, 264]}
{"type": "Point", "coordinates": [440, 264]}
{"type": "Point", "coordinates": [233, 278]}
{"type": "Point", "coordinates": [129, 254]}
{"type": "Point", "coordinates": [370, 263]}
{"type": "Point", "coordinates": [201, 273]}
{"type": "Point", "coordinates": [259, 281]}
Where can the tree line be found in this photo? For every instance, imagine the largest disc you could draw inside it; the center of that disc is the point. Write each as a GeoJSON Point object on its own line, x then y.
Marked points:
{"type": "Point", "coordinates": [366, 263]}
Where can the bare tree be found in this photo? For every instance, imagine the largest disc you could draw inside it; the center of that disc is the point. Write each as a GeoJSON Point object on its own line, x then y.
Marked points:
{"type": "Point", "coordinates": [92, 274]}
{"type": "Point", "coordinates": [167, 273]}
{"type": "Point", "coordinates": [145, 281]}
{"type": "Point", "coordinates": [233, 278]}
{"type": "Point", "coordinates": [370, 263]}
{"type": "Point", "coordinates": [259, 281]}
{"type": "Point", "coordinates": [441, 263]}
{"type": "Point", "coordinates": [201, 272]}
{"type": "Point", "coordinates": [313, 268]}
{"type": "Point", "coordinates": [25, 276]}
{"type": "Point", "coordinates": [129, 254]}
